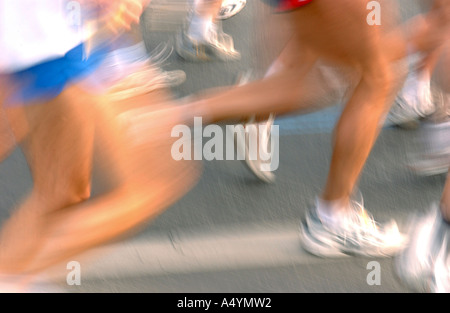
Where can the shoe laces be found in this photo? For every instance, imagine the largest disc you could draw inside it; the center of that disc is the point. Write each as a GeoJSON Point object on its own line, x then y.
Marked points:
{"type": "Point", "coordinates": [359, 220]}
{"type": "Point", "coordinates": [361, 227]}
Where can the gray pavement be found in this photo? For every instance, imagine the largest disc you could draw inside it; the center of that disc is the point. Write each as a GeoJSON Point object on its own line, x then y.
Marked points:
{"type": "Point", "coordinates": [232, 233]}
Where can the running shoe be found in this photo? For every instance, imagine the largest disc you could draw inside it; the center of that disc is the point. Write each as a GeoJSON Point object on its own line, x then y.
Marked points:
{"type": "Point", "coordinates": [433, 157]}
{"type": "Point", "coordinates": [145, 75]}
{"type": "Point", "coordinates": [131, 71]}
{"type": "Point", "coordinates": [441, 275]}
{"type": "Point", "coordinates": [430, 164]}
{"type": "Point", "coordinates": [216, 45]}
{"type": "Point", "coordinates": [147, 79]}
{"type": "Point", "coordinates": [356, 234]}
{"type": "Point", "coordinates": [413, 102]}
{"type": "Point", "coordinates": [230, 8]}
{"type": "Point", "coordinates": [250, 129]}
{"type": "Point", "coordinates": [424, 264]}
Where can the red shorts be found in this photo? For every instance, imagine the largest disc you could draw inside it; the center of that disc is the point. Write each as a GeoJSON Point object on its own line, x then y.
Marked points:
{"type": "Point", "coordinates": [288, 5]}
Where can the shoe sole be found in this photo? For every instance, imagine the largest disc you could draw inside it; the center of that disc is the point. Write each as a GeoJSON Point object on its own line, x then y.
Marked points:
{"type": "Point", "coordinates": [314, 247]}
{"type": "Point", "coordinates": [324, 249]}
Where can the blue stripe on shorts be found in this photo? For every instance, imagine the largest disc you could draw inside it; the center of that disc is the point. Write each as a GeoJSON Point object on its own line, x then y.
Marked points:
{"type": "Point", "coordinates": [45, 81]}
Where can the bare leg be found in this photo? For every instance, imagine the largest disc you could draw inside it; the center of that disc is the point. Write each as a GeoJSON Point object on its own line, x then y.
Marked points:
{"type": "Point", "coordinates": [148, 180]}
{"type": "Point", "coordinates": [7, 140]}
{"type": "Point", "coordinates": [60, 164]}
{"type": "Point", "coordinates": [279, 93]}
{"type": "Point", "coordinates": [440, 73]}
{"type": "Point", "coordinates": [327, 37]}
{"type": "Point", "coordinates": [144, 181]}
{"type": "Point", "coordinates": [360, 122]}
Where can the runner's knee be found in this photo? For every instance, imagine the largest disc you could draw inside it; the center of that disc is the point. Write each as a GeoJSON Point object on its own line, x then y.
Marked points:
{"type": "Point", "coordinates": [380, 81]}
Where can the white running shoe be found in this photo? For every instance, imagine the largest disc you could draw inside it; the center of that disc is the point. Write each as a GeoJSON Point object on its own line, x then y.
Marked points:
{"type": "Point", "coordinates": [145, 80]}
{"type": "Point", "coordinates": [430, 164]}
{"type": "Point", "coordinates": [357, 234]}
{"type": "Point", "coordinates": [433, 155]}
{"type": "Point", "coordinates": [217, 45]}
{"type": "Point", "coordinates": [249, 130]}
{"type": "Point", "coordinates": [131, 71]}
{"type": "Point", "coordinates": [230, 8]}
{"type": "Point", "coordinates": [424, 264]}
{"type": "Point", "coordinates": [413, 102]}
{"type": "Point", "coordinates": [441, 275]}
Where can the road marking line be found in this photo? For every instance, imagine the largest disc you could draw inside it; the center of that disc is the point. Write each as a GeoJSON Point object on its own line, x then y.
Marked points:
{"type": "Point", "coordinates": [230, 248]}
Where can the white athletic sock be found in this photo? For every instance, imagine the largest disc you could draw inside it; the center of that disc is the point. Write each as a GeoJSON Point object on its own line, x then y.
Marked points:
{"type": "Point", "coordinates": [414, 57]}
{"type": "Point", "coordinates": [424, 77]}
{"type": "Point", "coordinates": [199, 27]}
{"type": "Point", "coordinates": [331, 213]}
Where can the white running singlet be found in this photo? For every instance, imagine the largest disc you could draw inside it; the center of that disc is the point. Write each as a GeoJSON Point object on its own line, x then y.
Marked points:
{"type": "Point", "coordinates": [33, 31]}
